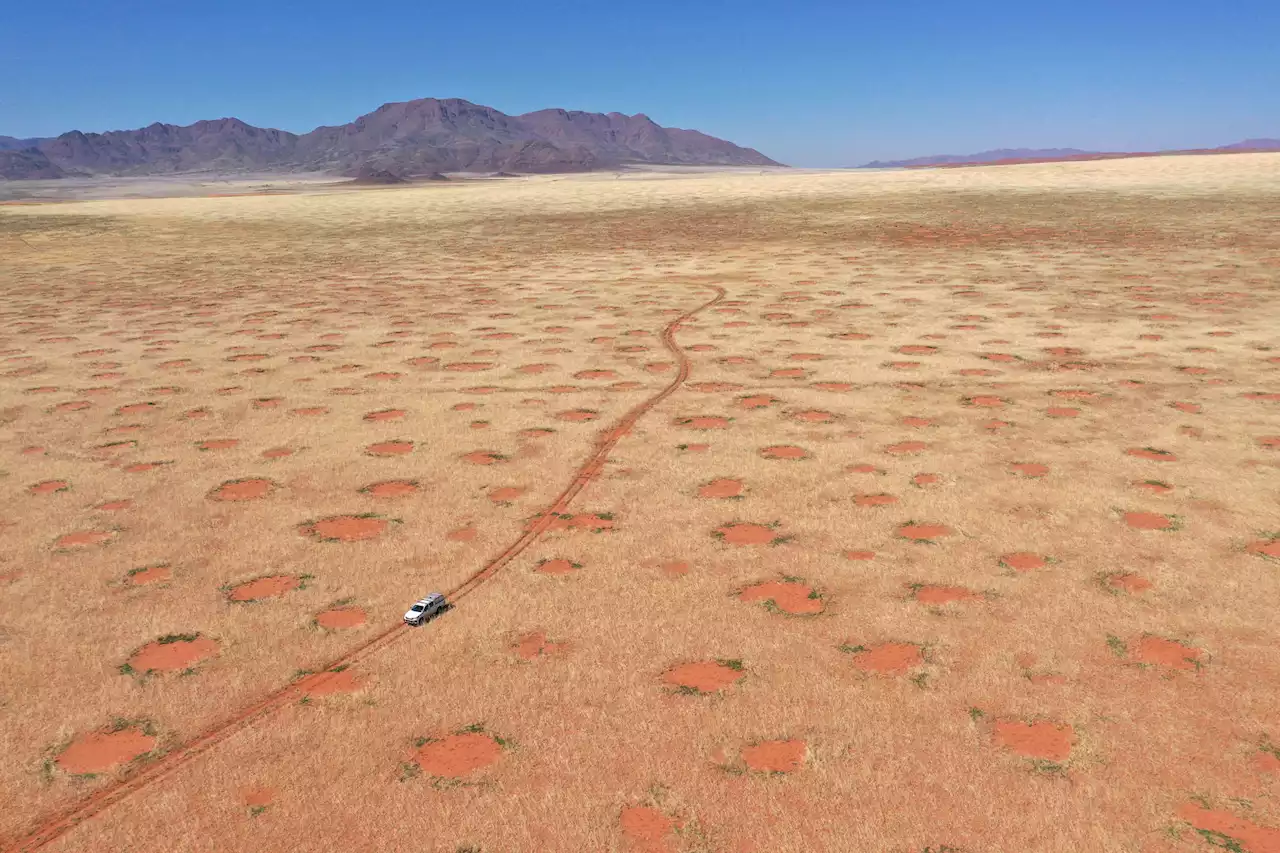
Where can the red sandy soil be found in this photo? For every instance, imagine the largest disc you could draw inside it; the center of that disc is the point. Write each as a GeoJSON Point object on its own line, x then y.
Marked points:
{"type": "Point", "coordinates": [647, 829]}
{"type": "Point", "coordinates": [277, 452]}
{"type": "Point", "coordinates": [1050, 741]}
{"type": "Point", "coordinates": [775, 756]}
{"type": "Point", "coordinates": [385, 415]}
{"type": "Point", "coordinates": [389, 448]}
{"type": "Point", "coordinates": [1158, 651]}
{"type": "Point", "coordinates": [218, 444]}
{"type": "Point", "coordinates": [270, 587]}
{"type": "Point", "coordinates": [390, 489]}
{"type": "Point", "coordinates": [922, 532]}
{"type": "Point", "coordinates": [759, 401]}
{"type": "Point", "coordinates": [889, 658]}
{"type": "Point", "coordinates": [345, 528]}
{"type": "Point", "coordinates": [1030, 469]}
{"type": "Point", "coordinates": [242, 490]}
{"type": "Point", "coordinates": [341, 617]}
{"type": "Point", "coordinates": [151, 574]}
{"type": "Point", "coordinates": [1265, 548]}
{"type": "Point", "coordinates": [167, 657]}
{"type": "Point", "coordinates": [1248, 836]}
{"type": "Point", "coordinates": [97, 752]}
{"type": "Point", "coordinates": [703, 676]}
{"type": "Point", "coordinates": [784, 451]}
{"type": "Point", "coordinates": [930, 594]}
{"type": "Point", "coordinates": [536, 644]}
{"type": "Point", "coordinates": [458, 755]}
{"type": "Point", "coordinates": [558, 566]}
{"type": "Point", "coordinates": [1148, 521]}
{"type": "Point", "coordinates": [926, 479]}
{"type": "Point", "coordinates": [859, 555]}
{"type": "Point", "coordinates": [577, 415]}
{"type": "Point", "coordinates": [83, 539]}
{"type": "Point", "coordinates": [744, 533]}
{"type": "Point", "coordinates": [505, 494]}
{"type": "Point", "coordinates": [875, 500]}
{"type": "Point", "coordinates": [676, 568]}
{"type": "Point", "coordinates": [1023, 561]}
{"type": "Point", "coordinates": [462, 534]}
{"type": "Point", "coordinates": [905, 447]}
{"type": "Point", "coordinates": [722, 488]}
{"type": "Point", "coordinates": [787, 596]}
{"type": "Point", "coordinates": [482, 457]}
{"type": "Point", "coordinates": [49, 487]}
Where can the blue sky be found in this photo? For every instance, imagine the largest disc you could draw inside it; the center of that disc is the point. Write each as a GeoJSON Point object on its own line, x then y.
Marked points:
{"type": "Point", "coordinates": [808, 83]}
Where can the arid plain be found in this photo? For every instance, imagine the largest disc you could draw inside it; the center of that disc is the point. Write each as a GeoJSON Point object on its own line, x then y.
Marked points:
{"type": "Point", "coordinates": [886, 512]}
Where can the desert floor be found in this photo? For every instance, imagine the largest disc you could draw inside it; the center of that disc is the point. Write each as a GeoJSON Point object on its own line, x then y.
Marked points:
{"type": "Point", "coordinates": [885, 512]}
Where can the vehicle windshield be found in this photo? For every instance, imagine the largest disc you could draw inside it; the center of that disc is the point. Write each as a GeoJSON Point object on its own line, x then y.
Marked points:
{"type": "Point", "coordinates": [418, 608]}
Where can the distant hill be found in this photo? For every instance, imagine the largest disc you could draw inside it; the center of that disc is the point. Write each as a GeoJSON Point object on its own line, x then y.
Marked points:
{"type": "Point", "coordinates": [1008, 156]}
{"type": "Point", "coordinates": [407, 139]}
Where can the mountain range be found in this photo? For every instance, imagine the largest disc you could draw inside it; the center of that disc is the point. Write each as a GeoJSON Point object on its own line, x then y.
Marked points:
{"type": "Point", "coordinates": [410, 138]}
{"type": "Point", "coordinates": [1002, 156]}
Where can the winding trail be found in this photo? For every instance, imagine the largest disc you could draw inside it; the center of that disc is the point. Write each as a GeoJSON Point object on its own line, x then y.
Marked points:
{"type": "Point", "coordinates": [54, 826]}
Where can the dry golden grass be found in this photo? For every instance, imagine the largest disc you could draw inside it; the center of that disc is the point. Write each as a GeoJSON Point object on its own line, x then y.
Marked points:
{"type": "Point", "coordinates": [1076, 311]}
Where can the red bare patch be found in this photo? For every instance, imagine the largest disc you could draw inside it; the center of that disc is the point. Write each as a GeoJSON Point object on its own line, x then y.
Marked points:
{"type": "Point", "coordinates": [676, 568]}
{"type": "Point", "coordinates": [913, 421]}
{"type": "Point", "coordinates": [784, 451]}
{"type": "Point", "coordinates": [758, 401]}
{"type": "Point", "coordinates": [1044, 740]}
{"type": "Point", "coordinates": [271, 587]}
{"type": "Point", "coordinates": [904, 448]}
{"type": "Point", "coordinates": [859, 555]}
{"type": "Point", "coordinates": [985, 401]}
{"type": "Point", "coordinates": [722, 488]}
{"type": "Point", "coordinates": [1157, 651]}
{"type": "Point", "coordinates": [1148, 521]}
{"type": "Point", "coordinates": [218, 444]}
{"type": "Point", "coordinates": [386, 415]}
{"type": "Point", "coordinates": [97, 752]}
{"type": "Point", "coordinates": [775, 756]}
{"type": "Point", "coordinates": [242, 490]}
{"type": "Point", "coordinates": [1248, 836]}
{"type": "Point", "coordinates": [1023, 561]}
{"type": "Point", "coordinates": [277, 452]}
{"type": "Point", "coordinates": [889, 658]}
{"type": "Point", "coordinates": [787, 596]}
{"type": "Point", "coordinates": [703, 676]}
{"type": "Point", "coordinates": [745, 533]}
{"type": "Point", "coordinates": [1265, 548]}
{"type": "Point", "coordinates": [341, 617]}
{"type": "Point", "coordinates": [482, 457]}
{"type": "Point", "coordinates": [390, 489]}
{"type": "Point", "coordinates": [558, 566]}
{"type": "Point", "coordinates": [83, 539]}
{"type": "Point", "coordinates": [647, 829]}
{"type": "Point", "coordinates": [458, 755]}
{"type": "Point", "coordinates": [389, 448]}
{"type": "Point", "coordinates": [345, 528]}
{"type": "Point", "coordinates": [150, 574]}
{"type": "Point", "coordinates": [924, 532]}
{"type": "Point", "coordinates": [505, 494]}
{"type": "Point", "coordinates": [49, 487]}
{"type": "Point", "coordinates": [114, 506]}
{"type": "Point", "coordinates": [926, 479]}
{"type": "Point", "coordinates": [462, 534]}
{"type": "Point", "coordinates": [1029, 469]}
{"type": "Point", "coordinates": [177, 655]}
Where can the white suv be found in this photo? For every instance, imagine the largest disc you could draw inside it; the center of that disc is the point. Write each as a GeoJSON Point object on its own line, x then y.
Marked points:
{"type": "Point", "coordinates": [426, 609]}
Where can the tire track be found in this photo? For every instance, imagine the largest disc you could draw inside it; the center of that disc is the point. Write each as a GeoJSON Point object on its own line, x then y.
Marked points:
{"type": "Point", "coordinates": [56, 825]}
